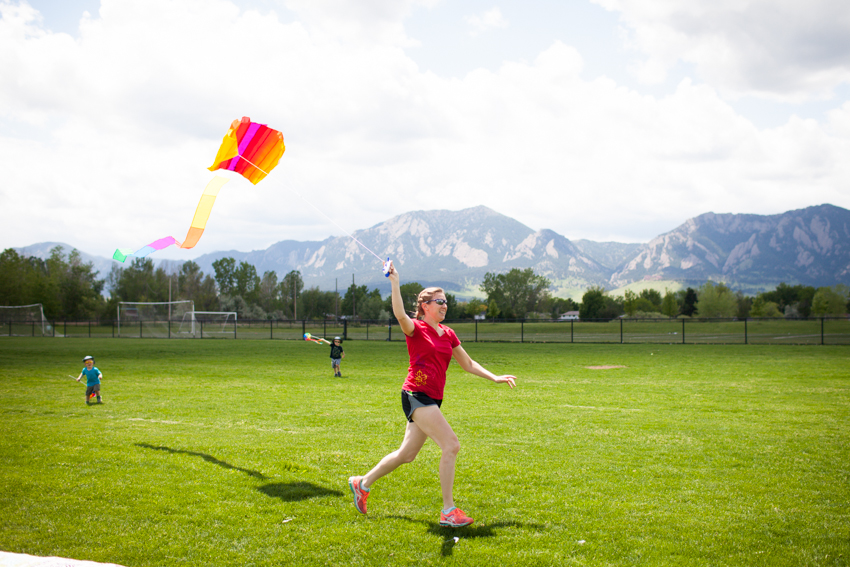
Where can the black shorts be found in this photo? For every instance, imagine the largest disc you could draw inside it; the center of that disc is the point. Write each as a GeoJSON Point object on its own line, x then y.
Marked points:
{"type": "Point", "coordinates": [413, 400]}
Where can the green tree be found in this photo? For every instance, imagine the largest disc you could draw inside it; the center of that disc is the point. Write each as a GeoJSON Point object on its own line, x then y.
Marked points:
{"type": "Point", "coordinates": [193, 284]}
{"type": "Point", "coordinates": [517, 292]}
{"type": "Point", "coordinates": [354, 300]}
{"type": "Point", "coordinates": [689, 303]}
{"type": "Point", "coordinates": [669, 305]}
{"type": "Point", "coordinates": [592, 303]}
{"type": "Point", "coordinates": [139, 282]}
{"type": "Point", "coordinates": [269, 292]}
{"type": "Point", "coordinates": [717, 300]}
{"type": "Point", "coordinates": [630, 300]}
{"type": "Point", "coordinates": [317, 304]}
{"type": "Point", "coordinates": [225, 275]}
{"type": "Point", "coordinates": [653, 297]}
{"type": "Point", "coordinates": [493, 309]}
{"type": "Point", "coordinates": [290, 288]}
{"type": "Point", "coordinates": [246, 282]}
{"type": "Point", "coordinates": [763, 308]}
{"type": "Point", "coordinates": [830, 301]}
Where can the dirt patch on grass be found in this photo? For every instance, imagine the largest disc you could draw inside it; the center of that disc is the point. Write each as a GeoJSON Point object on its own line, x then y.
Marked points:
{"type": "Point", "coordinates": [606, 367]}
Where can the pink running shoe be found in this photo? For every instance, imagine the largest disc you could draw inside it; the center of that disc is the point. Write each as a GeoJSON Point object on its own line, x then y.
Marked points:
{"type": "Point", "coordinates": [360, 495]}
{"type": "Point", "coordinates": [455, 519]}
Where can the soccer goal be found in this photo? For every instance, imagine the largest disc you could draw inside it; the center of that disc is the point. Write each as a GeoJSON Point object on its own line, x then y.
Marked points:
{"type": "Point", "coordinates": [24, 321]}
{"type": "Point", "coordinates": [156, 319]}
{"type": "Point", "coordinates": [208, 324]}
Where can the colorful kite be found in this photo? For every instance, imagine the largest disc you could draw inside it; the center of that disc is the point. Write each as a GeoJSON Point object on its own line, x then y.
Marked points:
{"type": "Point", "coordinates": [250, 149]}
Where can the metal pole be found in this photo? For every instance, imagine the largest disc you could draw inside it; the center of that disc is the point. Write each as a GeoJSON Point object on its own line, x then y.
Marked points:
{"type": "Point", "coordinates": [572, 321]}
{"type": "Point", "coordinates": [89, 328]}
{"type": "Point", "coordinates": [202, 328]}
{"type": "Point", "coordinates": [169, 316]}
{"type": "Point", "coordinates": [621, 331]}
{"type": "Point", "coordinates": [821, 330]}
{"type": "Point", "coordinates": [476, 330]}
{"type": "Point", "coordinates": [746, 339]}
{"type": "Point", "coordinates": [522, 331]}
{"type": "Point", "coordinates": [683, 331]}
{"type": "Point", "coordinates": [271, 329]}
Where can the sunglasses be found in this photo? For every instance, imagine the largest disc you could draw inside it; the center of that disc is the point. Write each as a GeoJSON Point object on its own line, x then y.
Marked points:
{"type": "Point", "coordinates": [437, 301]}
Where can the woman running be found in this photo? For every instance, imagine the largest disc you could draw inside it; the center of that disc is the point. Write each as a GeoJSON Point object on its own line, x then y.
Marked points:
{"type": "Point", "coordinates": [431, 347]}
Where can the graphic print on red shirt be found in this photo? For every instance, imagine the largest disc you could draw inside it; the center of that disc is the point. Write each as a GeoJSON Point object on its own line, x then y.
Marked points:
{"type": "Point", "coordinates": [430, 355]}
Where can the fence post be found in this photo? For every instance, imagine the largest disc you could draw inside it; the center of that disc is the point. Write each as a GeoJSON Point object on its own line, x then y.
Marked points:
{"type": "Point", "coordinates": [571, 330]}
{"type": "Point", "coordinates": [33, 330]}
{"type": "Point", "coordinates": [367, 329]}
{"type": "Point", "coordinates": [89, 328]}
{"type": "Point", "coordinates": [169, 328]}
{"type": "Point", "coordinates": [821, 330]}
{"type": "Point", "coordinates": [746, 339]}
{"type": "Point", "coordinates": [140, 328]}
{"type": "Point", "coordinates": [113, 328]}
{"type": "Point", "coordinates": [522, 331]}
{"type": "Point", "coordinates": [476, 330]}
{"type": "Point", "coordinates": [64, 329]}
{"type": "Point", "coordinates": [325, 327]}
{"type": "Point", "coordinates": [271, 327]}
{"type": "Point", "coordinates": [390, 329]}
{"type": "Point", "coordinates": [202, 328]}
{"type": "Point", "coordinates": [621, 330]}
{"type": "Point", "coordinates": [345, 329]}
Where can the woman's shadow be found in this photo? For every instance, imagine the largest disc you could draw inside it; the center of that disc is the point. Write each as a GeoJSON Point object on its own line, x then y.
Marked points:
{"type": "Point", "coordinates": [452, 536]}
{"type": "Point", "coordinates": [286, 491]}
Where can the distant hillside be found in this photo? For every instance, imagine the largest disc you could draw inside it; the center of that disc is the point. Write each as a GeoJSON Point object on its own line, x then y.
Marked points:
{"type": "Point", "coordinates": [454, 249]}
{"type": "Point", "coordinates": [810, 246]}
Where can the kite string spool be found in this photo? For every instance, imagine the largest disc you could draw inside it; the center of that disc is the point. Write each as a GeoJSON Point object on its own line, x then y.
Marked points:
{"type": "Point", "coordinates": [321, 212]}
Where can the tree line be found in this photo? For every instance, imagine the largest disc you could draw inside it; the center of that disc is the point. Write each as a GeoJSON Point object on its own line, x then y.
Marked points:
{"type": "Point", "coordinates": [70, 289]}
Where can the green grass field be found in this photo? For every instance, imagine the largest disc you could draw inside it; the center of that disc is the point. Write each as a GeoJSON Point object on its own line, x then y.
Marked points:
{"type": "Point", "coordinates": [225, 452]}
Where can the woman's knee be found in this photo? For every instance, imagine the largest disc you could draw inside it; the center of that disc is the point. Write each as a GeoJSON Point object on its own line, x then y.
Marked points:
{"type": "Point", "coordinates": [406, 457]}
{"type": "Point", "coordinates": [451, 446]}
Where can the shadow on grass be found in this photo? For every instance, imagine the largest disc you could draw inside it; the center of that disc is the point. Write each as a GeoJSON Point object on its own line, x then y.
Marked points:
{"type": "Point", "coordinates": [204, 456]}
{"type": "Point", "coordinates": [296, 491]}
{"type": "Point", "coordinates": [449, 534]}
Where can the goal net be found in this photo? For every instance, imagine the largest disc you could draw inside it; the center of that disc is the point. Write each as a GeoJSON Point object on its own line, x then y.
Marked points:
{"type": "Point", "coordinates": [208, 324]}
{"type": "Point", "coordinates": [23, 321]}
{"type": "Point", "coordinates": [157, 319]}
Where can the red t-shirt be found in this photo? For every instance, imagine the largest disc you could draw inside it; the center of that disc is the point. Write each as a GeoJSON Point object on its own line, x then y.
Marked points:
{"type": "Point", "coordinates": [430, 355]}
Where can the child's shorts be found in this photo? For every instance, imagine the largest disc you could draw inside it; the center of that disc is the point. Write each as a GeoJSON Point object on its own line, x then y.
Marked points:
{"type": "Point", "coordinates": [90, 389]}
{"type": "Point", "coordinates": [335, 362]}
{"type": "Point", "coordinates": [410, 401]}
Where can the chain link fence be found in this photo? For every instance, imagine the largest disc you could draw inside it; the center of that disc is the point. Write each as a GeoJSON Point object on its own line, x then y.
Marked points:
{"type": "Point", "coordinates": [811, 331]}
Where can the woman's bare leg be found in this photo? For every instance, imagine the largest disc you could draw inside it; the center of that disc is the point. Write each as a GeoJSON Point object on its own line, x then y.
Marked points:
{"type": "Point", "coordinates": [413, 441]}
{"type": "Point", "coordinates": [431, 422]}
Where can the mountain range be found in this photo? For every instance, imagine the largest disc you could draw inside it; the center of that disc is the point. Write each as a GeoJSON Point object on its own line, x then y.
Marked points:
{"type": "Point", "coordinates": [455, 249]}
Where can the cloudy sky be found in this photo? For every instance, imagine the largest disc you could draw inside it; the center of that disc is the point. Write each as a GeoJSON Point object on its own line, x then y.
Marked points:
{"type": "Point", "coordinates": [599, 119]}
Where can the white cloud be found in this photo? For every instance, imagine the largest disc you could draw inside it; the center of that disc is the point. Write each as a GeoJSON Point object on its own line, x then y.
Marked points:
{"type": "Point", "coordinates": [489, 20]}
{"type": "Point", "coordinates": [110, 133]}
{"type": "Point", "coordinates": [783, 49]}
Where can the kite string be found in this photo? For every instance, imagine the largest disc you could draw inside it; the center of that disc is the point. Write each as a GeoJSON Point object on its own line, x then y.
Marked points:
{"type": "Point", "coordinates": [321, 212]}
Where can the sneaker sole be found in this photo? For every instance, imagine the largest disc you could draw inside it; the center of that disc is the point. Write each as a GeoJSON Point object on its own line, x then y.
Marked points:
{"type": "Point", "coordinates": [451, 525]}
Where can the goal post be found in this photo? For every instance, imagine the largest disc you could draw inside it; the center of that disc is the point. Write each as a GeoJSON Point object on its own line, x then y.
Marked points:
{"type": "Point", "coordinates": [151, 318]}
{"type": "Point", "coordinates": [208, 324]}
{"type": "Point", "coordinates": [23, 320]}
